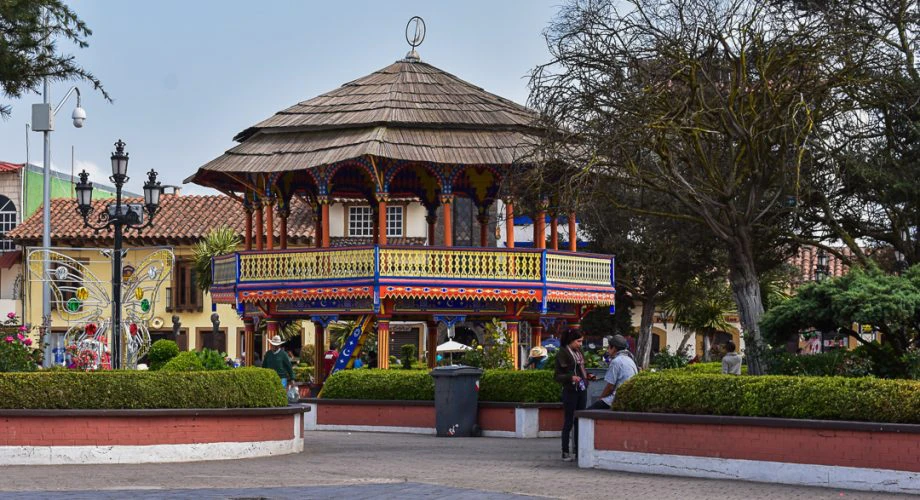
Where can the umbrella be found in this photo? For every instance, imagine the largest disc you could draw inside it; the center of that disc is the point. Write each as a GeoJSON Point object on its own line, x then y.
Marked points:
{"type": "Point", "coordinates": [451, 347]}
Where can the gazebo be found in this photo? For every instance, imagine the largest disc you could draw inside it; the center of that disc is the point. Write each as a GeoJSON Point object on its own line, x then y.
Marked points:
{"type": "Point", "coordinates": [409, 131]}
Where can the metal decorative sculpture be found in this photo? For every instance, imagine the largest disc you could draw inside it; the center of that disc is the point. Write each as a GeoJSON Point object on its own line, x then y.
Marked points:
{"type": "Point", "coordinates": [84, 302]}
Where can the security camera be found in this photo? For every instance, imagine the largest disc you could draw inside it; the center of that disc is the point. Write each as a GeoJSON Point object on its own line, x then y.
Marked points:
{"type": "Point", "coordinates": [79, 116]}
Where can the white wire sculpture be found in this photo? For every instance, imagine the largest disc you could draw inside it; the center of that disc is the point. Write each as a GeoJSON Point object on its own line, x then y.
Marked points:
{"type": "Point", "coordinates": [84, 302]}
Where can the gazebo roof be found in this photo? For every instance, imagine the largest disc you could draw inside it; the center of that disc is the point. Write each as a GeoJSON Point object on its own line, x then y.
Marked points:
{"type": "Point", "coordinates": [408, 111]}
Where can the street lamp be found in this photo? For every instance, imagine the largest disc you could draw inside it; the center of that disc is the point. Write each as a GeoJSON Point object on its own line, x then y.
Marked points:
{"type": "Point", "coordinates": [118, 216]}
{"type": "Point", "coordinates": [43, 121]}
{"type": "Point", "coordinates": [822, 271]}
{"type": "Point", "coordinates": [900, 260]}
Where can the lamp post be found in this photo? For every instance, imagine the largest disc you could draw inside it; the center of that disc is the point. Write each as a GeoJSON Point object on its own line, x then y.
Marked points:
{"type": "Point", "coordinates": [118, 216]}
{"type": "Point", "coordinates": [900, 260]}
{"type": "Point", "coordinates": [822, 270]}
{"type": "Point", "coordinates": [43, 121]}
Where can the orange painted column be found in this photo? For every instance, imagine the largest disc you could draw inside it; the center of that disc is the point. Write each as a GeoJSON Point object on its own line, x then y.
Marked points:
{"type": "Point", "coordinates": [319, 354]}
{"type": "Point", "coordinates": [513, 327]}
{"type": "Point", "coordinates": [249, 340]}
{"type": "Point", "coordinates": [269, 225]}
{"type": "Point", "coordinates": [447, 203]}
{"type": "Point", "coordinates": [573, 233]}
{"type": "Point", "coordinates": [432, 343]}
{"type": "Point", "coordinates": [483, 220]}
{"type": "Point", "coordinates": [383, 344]}
{"type": "Point", "coordinates": [432, 220]}
{"type": "Point", "coordinates": [539, 230]}
{"type": "Point", "coordinates": [247, 233]}
{"type": "Point", "coordinates": [324, 222]}
{"type": "Point", "coordinates": [283, 216]}
{"type": "Point", "coordinates": [259, 229]}
{"type": "Point", "coordinates": [509, 224]}
{"type": "Point", "coordinates": [536, 334]}
{"type": "Point", "coordinates": [381, 220]}
{"type": "Point", "coordinates": [554, 232]}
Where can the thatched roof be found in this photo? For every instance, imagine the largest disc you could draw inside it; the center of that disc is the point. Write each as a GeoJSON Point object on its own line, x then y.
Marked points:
{"type": "Point", "coordinates": [408, 111]}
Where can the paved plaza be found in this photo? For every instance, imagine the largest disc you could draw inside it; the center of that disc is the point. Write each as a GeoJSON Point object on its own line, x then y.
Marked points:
{"type": "Point", "coordinates": [370, 465]}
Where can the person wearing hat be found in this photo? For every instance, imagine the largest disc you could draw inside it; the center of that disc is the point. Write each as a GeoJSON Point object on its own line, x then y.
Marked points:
{"type": "Point", "coordinates": [538, 357]}
{"type": "Point", "coordinates": [622, 368]}
{"type": "Point", "coordinates": [278, 360]}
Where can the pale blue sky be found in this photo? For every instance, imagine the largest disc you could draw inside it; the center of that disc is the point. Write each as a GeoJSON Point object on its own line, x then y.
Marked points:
{"type": "Point", "coordinates": [186, 76]}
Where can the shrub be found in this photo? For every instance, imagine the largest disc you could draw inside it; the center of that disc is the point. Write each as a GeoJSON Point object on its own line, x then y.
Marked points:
{"type": "Point", "coordinates": [665, 360]}
{"type": "Point", "coordinates": [409, 358]}
{"type": "Point", "coordinates": [711, 368]}
{"type": "Point", "coordinates": [212, 360]}
{"type": "Point", "coordinates": [186, 361]}
{"type": "Point", "coordinates": [303, 373]}
{"type": "Point", "coordinates": [824, 398]}
{"type": "Point", "coordinates": [17, 354]}
{"type": "Point", "coordinates": [523, 386]}
{"type": "Point", "coordinates": [405, 385]}
{"type": "Point", "coordinates": [161, 352]}
{"type": "Point", "coordinates": [129, 389]}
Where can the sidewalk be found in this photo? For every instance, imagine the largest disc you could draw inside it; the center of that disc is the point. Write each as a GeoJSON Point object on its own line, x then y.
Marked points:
{"type": "Point", "coordinates": [361, 464]}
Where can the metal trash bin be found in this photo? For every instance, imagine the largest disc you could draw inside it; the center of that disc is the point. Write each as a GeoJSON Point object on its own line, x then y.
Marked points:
{"type": "Point", "coordinates": [456, 401]}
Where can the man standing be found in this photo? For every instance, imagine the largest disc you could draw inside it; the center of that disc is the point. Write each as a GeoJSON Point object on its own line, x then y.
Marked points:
{"type": "Point", "coordinates": [329, 360]}
{"type": "Point", "coordinates": [278, 360]}
{"type": "Point", "coordinates": [622, 368]}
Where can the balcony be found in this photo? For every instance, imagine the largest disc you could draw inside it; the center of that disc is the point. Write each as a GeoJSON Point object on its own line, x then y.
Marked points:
{"type": "Point", "coordinates": [523, 275]}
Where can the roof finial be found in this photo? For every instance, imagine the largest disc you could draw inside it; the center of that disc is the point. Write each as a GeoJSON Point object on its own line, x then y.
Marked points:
{"type": "Point", "coordinates": [415, 35]}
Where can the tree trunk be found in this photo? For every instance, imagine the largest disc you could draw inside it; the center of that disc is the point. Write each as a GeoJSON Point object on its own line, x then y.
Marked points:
{"type": "Point", "coordinates": [746, 291]}
{"type": "Point", "coordinates": [707, 346]}
{"type": "Point", "coordinates": [644, 345]}
{"type": "Point", "coordinates": [683, 341]}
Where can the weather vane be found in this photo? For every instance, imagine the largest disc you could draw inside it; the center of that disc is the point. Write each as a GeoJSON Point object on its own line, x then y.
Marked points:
{"type": "Point", "coordinates": [415, 35]}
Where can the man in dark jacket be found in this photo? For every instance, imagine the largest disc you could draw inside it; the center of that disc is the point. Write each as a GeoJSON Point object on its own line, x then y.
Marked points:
{"type": "Point", "coordinates": [278, 360]}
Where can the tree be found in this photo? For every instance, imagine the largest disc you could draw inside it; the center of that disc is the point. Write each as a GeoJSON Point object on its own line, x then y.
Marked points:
{"type": "Point", "coordinates": [701, 309]}
{"type": "Point", "coordinates": [29, 30]}
{"type": "Point", "coordinates": [220, 241]}
{"type": "Point", "coordinates": [708, 103]}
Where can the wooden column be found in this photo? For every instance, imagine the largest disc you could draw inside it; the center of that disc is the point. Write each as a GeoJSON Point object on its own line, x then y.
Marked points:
{"type": "Point", "coordinates": [432, 220]}
{"type": "Point", "coordinates": [539, 230]}
{"type": "Point", "coordinates": [483, 220]}
{"type": "Point", "coordinates": [573, 233]}
{"type": "Point", "coordinates": [383, 343]}
{"type": "Point", "coordinates": [249, 340]}
{"type": "Point", "coordinates": [432, 341]}
{"type": "Point", "coordinates": [554, 232]}
{"type": "Point", "coordinates": [513, 327]}
{"type": "Point", "coordinates": [259, 229]}
{"type": "Point", "coordinates": [447, 203]}
{"type": "Point", "coordinates": [536, 334]}
{"type": "Point", "coordinates": [509, 224]}
{"type": "Point", "coordinates": [319, 352]}
{"type": "Point", "coordinates": [382, 219]}
{"type": "Point", "coordinates": [324, 222]}
{"type": "Point", "coordinates": [247, 233]}
{"type": "Point", "coordinates": [283, 214]}
{"type": "Point", "coordinates": [269, 225]}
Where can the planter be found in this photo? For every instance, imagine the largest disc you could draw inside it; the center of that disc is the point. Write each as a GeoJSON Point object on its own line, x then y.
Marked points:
{"type": "Point", "coordinates": [597, 387]}
{"type": "Point", "coordinates": [854, 455]}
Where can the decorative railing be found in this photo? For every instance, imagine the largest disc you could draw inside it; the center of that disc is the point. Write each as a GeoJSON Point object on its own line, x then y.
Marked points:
{"type": "Point", "coordinates": [414, 262]}
{"type": "Point", "coordinates": [460, 263]}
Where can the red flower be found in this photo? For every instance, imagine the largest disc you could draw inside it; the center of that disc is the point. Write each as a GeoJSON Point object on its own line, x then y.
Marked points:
{"type": "Point", "coordinates": [91, 329]}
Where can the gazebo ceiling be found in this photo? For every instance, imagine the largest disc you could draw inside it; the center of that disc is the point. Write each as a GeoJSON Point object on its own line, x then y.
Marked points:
{"type": "Point", "coordinates": [408, 111]}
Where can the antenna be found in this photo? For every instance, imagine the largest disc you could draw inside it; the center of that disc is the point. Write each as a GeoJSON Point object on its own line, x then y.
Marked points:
{"type": "Point", "coordinates": [415, 35]}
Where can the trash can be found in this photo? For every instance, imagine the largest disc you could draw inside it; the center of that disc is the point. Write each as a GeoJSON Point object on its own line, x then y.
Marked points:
{"type": "Point", "coordinates": [456, 400]}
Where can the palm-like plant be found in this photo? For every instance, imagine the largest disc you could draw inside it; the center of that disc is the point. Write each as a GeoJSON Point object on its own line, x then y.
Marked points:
{"type": "Point", "coordinates": [701, 308]}
{"type": "Point", "coordinates": [221, 240]}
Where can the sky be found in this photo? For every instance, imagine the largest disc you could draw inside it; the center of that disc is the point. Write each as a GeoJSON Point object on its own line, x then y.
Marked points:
{"type": "Point", "coordinates": [186, 76]}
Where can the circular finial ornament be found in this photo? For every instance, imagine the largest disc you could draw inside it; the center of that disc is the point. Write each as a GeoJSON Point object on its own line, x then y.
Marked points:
{"type": "Point", "coordinates": [415, 31]}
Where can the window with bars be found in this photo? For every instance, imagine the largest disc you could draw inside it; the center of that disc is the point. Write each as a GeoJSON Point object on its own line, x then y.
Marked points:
{"type": "Point", "coordinates": [7, 222]}
{"type": "Point", "coordinates": [360, 221]}
{"type": "Point", "coordinates": [394, 222]}
{"type": "Point", "coordinates": [464, 211]}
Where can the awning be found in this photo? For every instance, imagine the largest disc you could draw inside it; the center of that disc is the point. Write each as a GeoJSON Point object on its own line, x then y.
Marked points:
{"type": "Point", "coordinates": [9, 259]}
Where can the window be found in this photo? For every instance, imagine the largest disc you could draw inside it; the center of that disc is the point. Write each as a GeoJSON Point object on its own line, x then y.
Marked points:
{"type": "Point", "coordinates": [184, 294]}
{"type": "Point", "coordinates": [7, 222]}
{"type": "Point", "coordinates": [360, 222]}
{"type": "Point", "coordinates": [464, 211]}
{"type": "Point", "coordinates": [394, 222]}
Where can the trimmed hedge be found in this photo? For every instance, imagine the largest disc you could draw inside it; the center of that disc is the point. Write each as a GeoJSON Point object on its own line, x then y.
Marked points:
{"type": "Point", "coordinates": [527, 386]}
{"type": "Point", "coordinates": [711, 368]}
{"type": "Point", "coordinates": [821, 398]}
{"type": "Point", "coordinates": [70, 389]}
{"type": "Point", "coordinates": [186, 361]}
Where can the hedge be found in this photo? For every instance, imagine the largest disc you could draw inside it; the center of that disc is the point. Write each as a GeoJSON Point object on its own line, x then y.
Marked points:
{"type": "Point", "coordinates": [527, 386]}
{"type": "Point", "coordinates": [67, 389]}
{"type": "Point", "coordinates": [711, 367]}
{"type": "Point", "coordinates": [821, 398]}
{"type": "Point", "coordinates": [185, 361]}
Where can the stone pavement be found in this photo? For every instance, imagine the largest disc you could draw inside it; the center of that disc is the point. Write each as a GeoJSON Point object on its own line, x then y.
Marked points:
{"type": "Point", "coordinates": [369, 465]}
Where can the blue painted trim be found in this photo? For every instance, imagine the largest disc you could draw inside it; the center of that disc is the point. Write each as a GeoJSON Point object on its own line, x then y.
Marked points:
{"type": "Point", "coordinates": [376, 278]}
{"type": "Point", "coordinates": [543, 305]}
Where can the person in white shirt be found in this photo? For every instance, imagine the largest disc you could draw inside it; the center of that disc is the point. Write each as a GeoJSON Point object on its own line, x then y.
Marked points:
{"type": "Point", "coordinates": [622, 368]}
{"type": "Point", "coordinates": [731, 362]}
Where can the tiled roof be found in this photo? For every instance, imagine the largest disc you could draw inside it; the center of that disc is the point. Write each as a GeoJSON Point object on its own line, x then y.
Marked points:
{"type": "Point", "coordinates": [807, 262]}
{"type": "Point", "coordinates": [9, 167]}
{"type": "Point", "coordinates": [182, 219]}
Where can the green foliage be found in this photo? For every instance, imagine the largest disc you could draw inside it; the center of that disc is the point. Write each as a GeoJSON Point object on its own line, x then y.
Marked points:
{"type": "Point", "coordinates": [220, 241]}
{"type": "Point", "coordinates": [212, 359]}
{"type": "Point", "coordinates": [307, 355]}
{"type": "Point", "coordinates": [664, 359]}
{"type": "Point", "coordinates": [303, 373]}
{"type": "Point", "coordinates": [29, 47]}
{"type": "Point", "coordinates": [713, 368]}
{"type": "Point", "coordinates": [520, 386]}
{"type": "Point", "coordinates": [17, 354]}
{"type": "Point", "coordinates": [494, 351]}
{"type": "Point", "coordinates": [402, 385]}
{"type": "Point", "coordinates": [824, 398]}
{"type": "Point", "coordinates": [409, 358]}
{"type": "Point", "coordinates": [186, 361]}
{"type": "Point", "coordinates": [161, 352]}
{"type": "Point", "coordinates": [129, 389]}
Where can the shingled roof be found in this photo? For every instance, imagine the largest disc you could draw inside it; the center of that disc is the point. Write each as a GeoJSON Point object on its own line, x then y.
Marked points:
{"type": "Point", "coordinates": [181, 220]}
{"type": "Point", "coordinates": [409, 111]}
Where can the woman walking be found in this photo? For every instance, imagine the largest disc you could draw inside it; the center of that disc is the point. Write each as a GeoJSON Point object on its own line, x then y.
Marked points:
{"type": "Point", "coordinates": [570, 372]}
